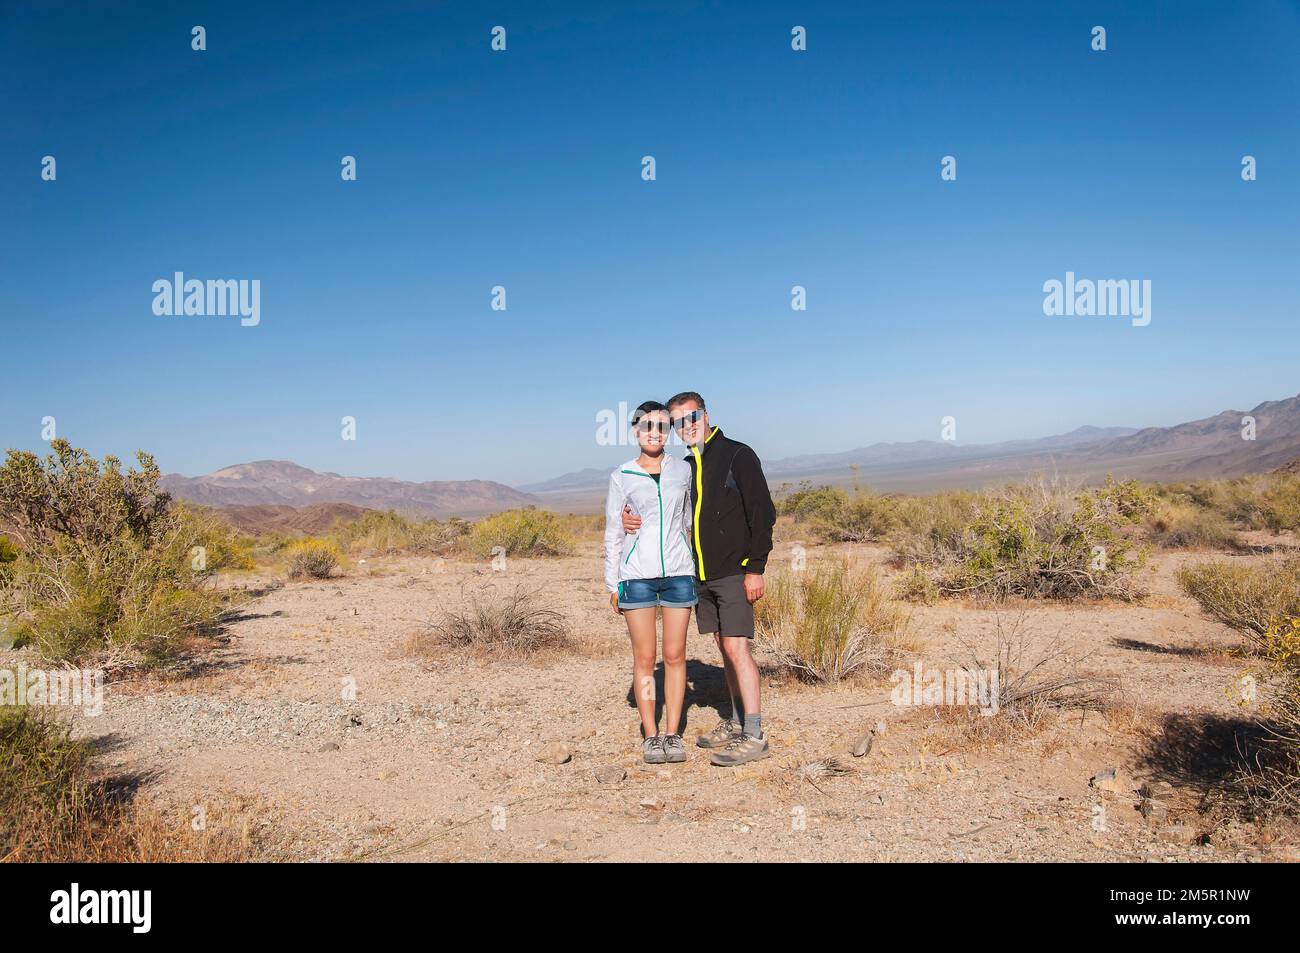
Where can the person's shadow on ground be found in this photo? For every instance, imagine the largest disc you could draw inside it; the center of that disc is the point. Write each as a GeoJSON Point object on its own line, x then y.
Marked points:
{"type": "Point", "coordinates": [706, 686]}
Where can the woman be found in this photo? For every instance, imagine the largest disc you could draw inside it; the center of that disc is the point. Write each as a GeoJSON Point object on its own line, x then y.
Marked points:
{"type": "Point", "coordinates": [653, 568]}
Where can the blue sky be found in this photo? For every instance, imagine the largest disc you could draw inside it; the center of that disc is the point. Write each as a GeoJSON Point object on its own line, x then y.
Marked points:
{"type": "Point", "coordinates": [522, 169]}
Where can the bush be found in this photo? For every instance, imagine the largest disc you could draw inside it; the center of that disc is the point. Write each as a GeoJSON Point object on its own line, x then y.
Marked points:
{"type": "Point", "coordinates": [108, 568]}
{"type": "Point", "coordinates": [54, 808]}
{"type": "Point", "coordinates": [513, 625]}
{"type": "Point", "coordinates": [1036, 540]}
{"type": "Point", "coordinates": [527, 532]}
{"type": "Point", "coordinates": [1174, 525]}
{"type": "Point", "coordinates": [44, 797]}
{"type": "Point", "coordinates": [380, 534]}
{"type": "Point", "coordinates": [1247, 598]}
{"type": "Point", "coordinates": [839, 517]}
{"type": "Point", "coordinates": [1276, 779]}
{"type": "Point", "coordinates": [312, 558]}
{"type": "Point", "coordinates": [829, 621]}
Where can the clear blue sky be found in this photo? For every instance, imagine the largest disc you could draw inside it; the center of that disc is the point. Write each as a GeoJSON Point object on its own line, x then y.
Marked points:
{"type": "Point", "coordinates": [522, 169]}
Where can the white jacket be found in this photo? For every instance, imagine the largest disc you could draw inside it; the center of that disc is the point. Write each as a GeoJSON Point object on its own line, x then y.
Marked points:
{"type": "Point", "coordinates": [661, 546]}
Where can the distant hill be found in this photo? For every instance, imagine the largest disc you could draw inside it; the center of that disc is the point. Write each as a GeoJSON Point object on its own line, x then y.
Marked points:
{"type": "Point", "coordinates": [1208, 448]}
{"type": "Point", "coordinates": [271, 518]}
{"type": "Point", "coordinates": [282, 483]}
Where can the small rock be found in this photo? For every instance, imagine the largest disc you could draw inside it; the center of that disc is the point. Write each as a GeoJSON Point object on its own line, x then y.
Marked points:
{"type": "Point", "coordinates": [880, 727]}
{"type": "Point", "coordinates": [387, 775]}
{"type": "Point", "coordinates": [651, 803]}
{"type": "Point", "coordinates": [328, 746]}
{"type": "Point", "coordinates": [1179, 834]}
{"type": "Point", "coordinates": [1110, 781]}
{"type": "Point", "coordinates": [863, 745]}
{"type": "Point", "coordinates": [610, 774]}
{"type": "Point", "coordinates": [555, 753]}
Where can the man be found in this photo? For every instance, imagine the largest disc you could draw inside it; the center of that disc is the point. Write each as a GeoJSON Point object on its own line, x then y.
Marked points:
{"type": "Point", "coordinates": [733, 515]}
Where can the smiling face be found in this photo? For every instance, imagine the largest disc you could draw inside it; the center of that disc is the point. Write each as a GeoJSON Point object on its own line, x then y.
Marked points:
{"type": "Point", "coordinates": [652, 432]}
{"type": "Point", "coordinates": [691, 423]}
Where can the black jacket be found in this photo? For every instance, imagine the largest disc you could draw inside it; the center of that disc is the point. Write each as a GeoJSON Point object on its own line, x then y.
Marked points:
{"type": "Point", "coordinates": [733, 513]}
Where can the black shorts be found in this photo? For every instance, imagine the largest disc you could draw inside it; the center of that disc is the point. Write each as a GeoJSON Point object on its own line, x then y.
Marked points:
{"type": "Point", "coordinates": [723, 608]}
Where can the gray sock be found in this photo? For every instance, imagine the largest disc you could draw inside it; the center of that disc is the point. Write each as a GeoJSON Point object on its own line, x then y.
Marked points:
{"type": "Point", "coordinates": [754, 725]}
{"type": "Point", "coordinates": [735, 711]}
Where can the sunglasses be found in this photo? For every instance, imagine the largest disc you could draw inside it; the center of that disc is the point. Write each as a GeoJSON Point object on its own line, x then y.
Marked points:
{"type": "Point", "coordinates": [645, 426]}
{"type": "Point", "coordinates": [690, 418]}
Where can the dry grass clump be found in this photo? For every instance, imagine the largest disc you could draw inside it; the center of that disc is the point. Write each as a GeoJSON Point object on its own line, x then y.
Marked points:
{"type": "Point", "coordinates": [53, 807]}
{"type": "Point", "coordinates": [527, 532]}
{"type": "Point", "coordinates": [1031, 680]}
{"type": "Point", "coordinates": [830, 621]}
{"type": "Point", "coordinates": [312, 558]}
{"type": "Point", "coordinates": [1247, 597]}
{"type": "Point", "coordinates": [514, 624]}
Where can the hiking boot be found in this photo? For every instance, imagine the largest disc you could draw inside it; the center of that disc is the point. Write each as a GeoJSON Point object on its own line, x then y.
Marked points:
{"type": "Point", "coordinates": [652, 749]}
{"type": "Point", "coordinates": [674, 750]}
{"type": "Point", "coordinates": [721, 736]}
{"type": "Point", "coordinates": [742, 750]}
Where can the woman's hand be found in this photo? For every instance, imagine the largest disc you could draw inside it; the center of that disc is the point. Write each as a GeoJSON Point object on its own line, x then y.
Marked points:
{"type": "Point", "coordinates": [613, 603]}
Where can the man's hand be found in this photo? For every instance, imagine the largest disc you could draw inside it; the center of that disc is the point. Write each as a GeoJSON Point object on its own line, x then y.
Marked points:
{"type": "Point", "coordinates": [613, 601]}
{"type": "Point", "coordinates": [631, 522]}
{"type": "Point", "coordinates": [753, 587]}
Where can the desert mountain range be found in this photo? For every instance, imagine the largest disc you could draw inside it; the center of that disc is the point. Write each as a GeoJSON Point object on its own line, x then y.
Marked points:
{"type": "Point", "coordinates": [1210, 447]}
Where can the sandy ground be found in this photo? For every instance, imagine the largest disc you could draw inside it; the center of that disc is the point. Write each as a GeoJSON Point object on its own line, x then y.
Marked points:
{"type": "Point", "coordinates": [435, 758]}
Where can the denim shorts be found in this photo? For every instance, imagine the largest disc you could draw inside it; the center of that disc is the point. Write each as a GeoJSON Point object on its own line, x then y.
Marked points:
{"type": "Point", "coordinates": [675, 592]}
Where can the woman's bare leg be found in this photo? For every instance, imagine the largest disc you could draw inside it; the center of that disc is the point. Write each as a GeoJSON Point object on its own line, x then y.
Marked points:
{"type": "Point", "coordinates": [641, 629]}
{"type": "Point", "coordinates": [676, 622]}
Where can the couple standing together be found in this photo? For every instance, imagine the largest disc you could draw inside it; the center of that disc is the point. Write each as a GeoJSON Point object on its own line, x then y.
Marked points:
{"type": "Point", "coordinates": [682, 534]}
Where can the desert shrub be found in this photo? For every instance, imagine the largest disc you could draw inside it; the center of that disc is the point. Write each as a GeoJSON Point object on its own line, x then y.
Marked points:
{"type": "Point", "coordinates": [107, 568]}
{"type": "Point", "coordinates": [829, 621]}
{"type": "Point", "coordinates": [1035, 540]}
{"type": "Point", "coordinates": [1274, 778]}
{"type": "Point", "coordinates": [526, 532]}
{"type": "Point", "coordinates": [927, 528]}
{"type": "Point", "coordinates": [379, 534]}
{"type": "Point", "coordinates": [8, 555]}
{"type": "Point", "coordinates": [1027, 678]}
{"type": "Point", "coordinates": [516, 624]}
{"type": "Point", "coordinates": [312, 558]}
{"type": "Point", "coordinates": [837, 516]}
{"type": "Point", "coordinates": [1176, 525]}
{"type": "Point", "coordinates": [44, 793]}
{"type": "Point", "coordinates": [1248, 598]}
{"type": "Point", "coordinates": [1263, 501]}
{"type": "Point", "coordinates": [54, 807]}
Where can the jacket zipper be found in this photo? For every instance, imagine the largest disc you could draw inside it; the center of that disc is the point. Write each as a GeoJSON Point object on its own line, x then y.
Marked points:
{"type": "Point", "coordinates": [699, 502]}
{"type": "Point", "coordinates": [660, 494]}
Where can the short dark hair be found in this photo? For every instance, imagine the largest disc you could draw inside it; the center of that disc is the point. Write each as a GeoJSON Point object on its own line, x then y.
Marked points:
{"type": "Point", "coordinates": [649, 407]}
{"type": "Point", "coordinates": [683, 397]}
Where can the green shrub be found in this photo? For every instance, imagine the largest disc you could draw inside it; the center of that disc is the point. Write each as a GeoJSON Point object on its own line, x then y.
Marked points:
{"type": "Point", "coordinates": [527, 532]}
{"type": "Point", "coordinates": [829, 621]}
{"type": "Point", "coordinates": [1275, 777]}
{"type": "Point", "coordinates": [1035, 540]}
{"type": "Point", "coordinates": [312, 558]}
{"type": "Point", "coordinates": [107, 569]}
{"type": "Point", "coordinates": [1248, 598]}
